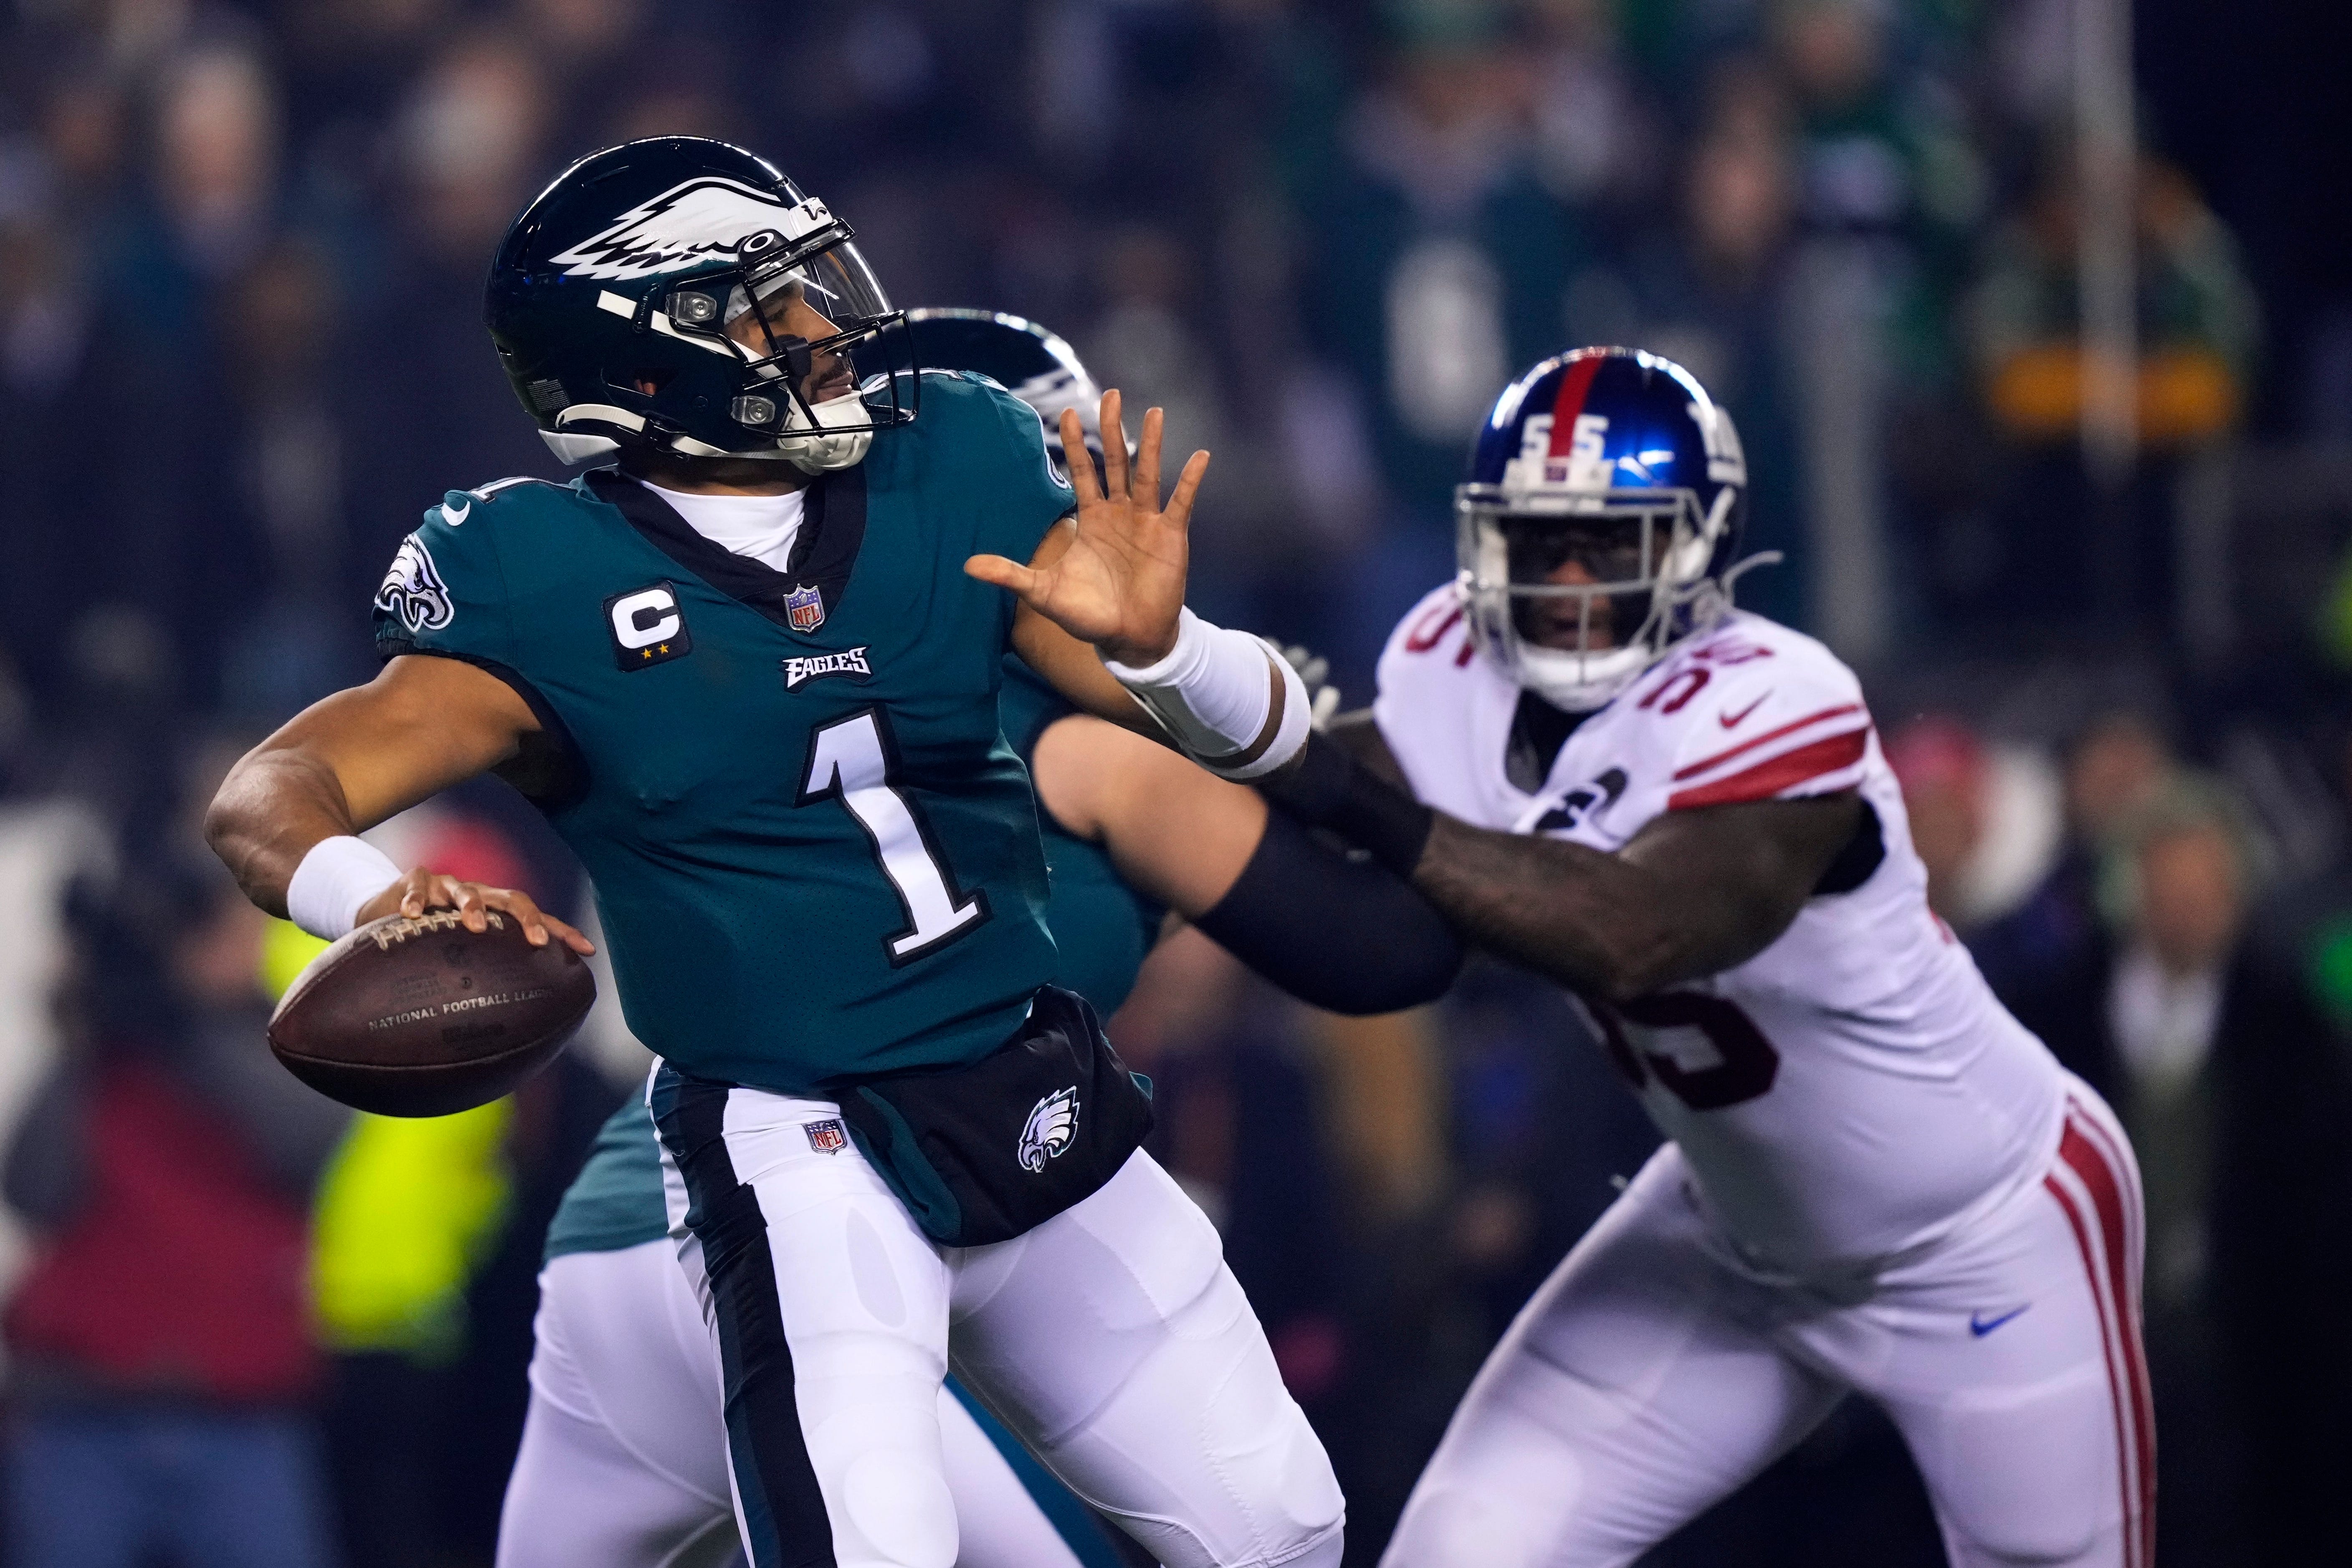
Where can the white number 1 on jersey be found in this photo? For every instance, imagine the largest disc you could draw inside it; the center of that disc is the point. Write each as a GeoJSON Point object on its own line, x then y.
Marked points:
{"type": "Point", "coordinates": [848, 757]}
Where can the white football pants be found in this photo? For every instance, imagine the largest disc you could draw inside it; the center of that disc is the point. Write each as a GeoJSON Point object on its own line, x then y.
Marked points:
{"type": "Point", "coordinates": [1650, 1378]}
{"type": "Point", "coordinates": [624, 1455]}
{"type": "Point", "coordinates": [1112, 1340]}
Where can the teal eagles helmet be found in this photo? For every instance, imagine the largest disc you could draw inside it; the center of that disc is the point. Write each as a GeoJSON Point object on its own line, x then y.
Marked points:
{"type": "Point", "coordinates": [647, 295]}
{"type": "Point", "coordinates": [1028, 361]}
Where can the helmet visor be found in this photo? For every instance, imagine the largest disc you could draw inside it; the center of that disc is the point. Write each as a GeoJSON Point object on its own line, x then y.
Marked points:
{"type": "Point", "coordinates": [835, 283]}
{"type": "Point", "coordinates": [811, 325]}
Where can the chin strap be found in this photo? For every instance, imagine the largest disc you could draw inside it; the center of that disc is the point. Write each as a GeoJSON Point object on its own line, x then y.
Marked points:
{"type": "Point", "coordinates": [812, 448]}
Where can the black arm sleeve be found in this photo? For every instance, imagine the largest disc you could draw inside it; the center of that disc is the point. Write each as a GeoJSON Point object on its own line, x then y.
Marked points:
{"type": "Point", "coordinates": [1336, 933]}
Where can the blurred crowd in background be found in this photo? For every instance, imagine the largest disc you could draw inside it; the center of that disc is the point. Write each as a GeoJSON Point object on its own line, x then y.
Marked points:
{"type": "Point", "coordinates": [242, 247]}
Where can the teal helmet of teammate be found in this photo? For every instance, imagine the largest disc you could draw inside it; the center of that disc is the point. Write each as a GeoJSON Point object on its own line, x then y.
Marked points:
{"type": "Point", "coordinates": [1028, 361]}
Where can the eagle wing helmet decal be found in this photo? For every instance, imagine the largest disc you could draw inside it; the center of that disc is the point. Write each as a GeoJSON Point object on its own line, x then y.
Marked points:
{"type": "Point", "coordinates": [1052, 1124]}
{"type": "Point", "coordinates": [686, 225]}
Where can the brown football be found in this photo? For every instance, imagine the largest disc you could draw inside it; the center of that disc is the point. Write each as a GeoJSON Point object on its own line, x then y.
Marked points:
{"type": "Point", "coordinates": [423, 1017]}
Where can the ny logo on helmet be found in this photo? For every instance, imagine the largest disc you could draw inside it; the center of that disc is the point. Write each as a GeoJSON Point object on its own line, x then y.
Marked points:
{"type": "Point", "coordinates": [700, 220]}
{"type": "Point", "coordinates": [413, 589]}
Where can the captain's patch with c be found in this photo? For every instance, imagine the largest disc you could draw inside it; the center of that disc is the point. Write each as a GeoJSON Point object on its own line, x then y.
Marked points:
{"type": "Point", "coordinates": [647, 627]}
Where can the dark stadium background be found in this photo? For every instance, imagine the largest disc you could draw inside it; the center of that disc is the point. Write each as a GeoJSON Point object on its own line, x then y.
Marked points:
{"type": "Point", "coordinates": [241, 254]}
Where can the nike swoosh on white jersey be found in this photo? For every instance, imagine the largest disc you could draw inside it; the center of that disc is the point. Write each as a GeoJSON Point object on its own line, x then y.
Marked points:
{"type": "Point", "coordinates": [1733, 721]}
{"type": "Point", "coordinates": [454, 516]}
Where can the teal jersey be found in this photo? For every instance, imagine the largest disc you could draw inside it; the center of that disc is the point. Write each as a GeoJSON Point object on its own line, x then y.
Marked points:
{"type": "Point", "coordinates": [616, 1200]}
{"type": "Point", "coordinates": [814, 854]}
{"type": "Point", "coordinates": [1102, 928]}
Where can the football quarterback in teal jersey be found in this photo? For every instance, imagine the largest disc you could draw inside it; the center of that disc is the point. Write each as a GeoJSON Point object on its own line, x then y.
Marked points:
{"type": "Point", "coordinates": [623, 1461]}
{"type": "Point", "coordinates": [750, 672]}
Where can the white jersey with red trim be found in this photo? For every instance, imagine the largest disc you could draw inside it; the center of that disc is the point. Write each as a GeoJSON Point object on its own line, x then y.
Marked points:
{"type": "Point", "coordinates": [1850, 1092]}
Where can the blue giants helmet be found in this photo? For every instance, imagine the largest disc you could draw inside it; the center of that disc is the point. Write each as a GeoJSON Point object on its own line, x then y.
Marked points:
{"type": "Point", "coordinates": [1604, 506]}
{"type": "Point", "coordinates": [681, 293]}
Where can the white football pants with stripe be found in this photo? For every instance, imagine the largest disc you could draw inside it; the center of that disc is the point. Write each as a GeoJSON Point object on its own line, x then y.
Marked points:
{"type": "Point", "coordinates": [624, 1455]}
{"type": "Point", "coordinates": [1650, 1378]}
{"type": "Point", "coordinates": [1112, 1340]}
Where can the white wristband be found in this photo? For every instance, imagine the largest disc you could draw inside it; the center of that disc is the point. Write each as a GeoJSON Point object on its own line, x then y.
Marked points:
{"type": "Point", "coordinates": [333, 880]}
{"type": "Point", "coordinates": [1212, 693]}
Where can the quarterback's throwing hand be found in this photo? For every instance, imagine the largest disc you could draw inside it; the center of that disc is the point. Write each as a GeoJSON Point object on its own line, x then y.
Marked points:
{"type": "Point", "coordinates": [1118, 580]}
{"type": "Point", "coordinates": [422, 890]}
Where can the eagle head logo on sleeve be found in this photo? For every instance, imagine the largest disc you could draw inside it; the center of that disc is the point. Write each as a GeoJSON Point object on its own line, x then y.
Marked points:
{"type": "Point", "coordinates": [413, 589]}
{"type": "Point", "coordinates": [1052, 1124]}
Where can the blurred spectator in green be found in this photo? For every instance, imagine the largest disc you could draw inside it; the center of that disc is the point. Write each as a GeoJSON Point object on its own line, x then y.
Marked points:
{"type": "Point", "coordinates": [2197, 321]}
{"type": "Point", "coordinates": [1710, 290]}
{"type": "Point", "coordinates": [2049, 958]}
{"type": "Point", "coordinates": [162, 1370]}
{"type": "Point", "coordinates": [112, 261]}
{"type": "Point", "coordinates": [212, 198]}
{"type": "Point", "coordinates": [2197, 330]}
{"type": "Point", "coordinates": [2177, 885]}
{"type": "Point", "coordinates": [426, 408]}
{"type": "Point", "coordinates": [1599, 142]}
{"type": "Point", "coordinates": [1439, 256]}
{"type": "Point", "coordinates": [302, 632]}
{"type": "Point", "coordinates": [1433, 270]}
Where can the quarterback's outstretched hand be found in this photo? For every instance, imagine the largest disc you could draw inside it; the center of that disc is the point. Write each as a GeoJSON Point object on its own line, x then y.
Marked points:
{"type": "Point", "coordinates": [1119, 583]}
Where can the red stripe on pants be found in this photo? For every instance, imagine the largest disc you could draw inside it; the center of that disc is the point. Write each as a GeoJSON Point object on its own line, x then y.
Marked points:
{"type": "Point", "coordinates": [2082, 1152]}
{"type": "Point", "coordinates": [2109, 1191]}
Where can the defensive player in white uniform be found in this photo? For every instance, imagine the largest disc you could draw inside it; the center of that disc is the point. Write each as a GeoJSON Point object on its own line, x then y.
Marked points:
{"type": "Point", "coordinates": [1876, 1181]}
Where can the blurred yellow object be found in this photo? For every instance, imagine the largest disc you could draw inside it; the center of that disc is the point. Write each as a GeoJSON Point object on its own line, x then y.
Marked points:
{"type": "Point", "coordinates": [405, 1211]}
{"type": "Point", "coordinates": [286, 948]}
{"type": "Point", "coordinates": [2335, 623]}
{"type": "Point", "coordinates": [2185, 395]}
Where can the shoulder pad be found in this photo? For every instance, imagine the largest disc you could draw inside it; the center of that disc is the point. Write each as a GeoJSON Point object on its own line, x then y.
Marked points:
{"type": "Point", "coordinates": [456, 507]}
{"type": "Point", "coordinates": [1755, 711]}
{"type": "Point", "coordinates": [1433, 626]}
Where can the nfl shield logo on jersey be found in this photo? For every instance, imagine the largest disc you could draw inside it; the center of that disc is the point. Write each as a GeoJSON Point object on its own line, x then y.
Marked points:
{"type": "Point", "coordinates": [804, 609]}
{"type": "Point", "coordinates": [826, 1137]}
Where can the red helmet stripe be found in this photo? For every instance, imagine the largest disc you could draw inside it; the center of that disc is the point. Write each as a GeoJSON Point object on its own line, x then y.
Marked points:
{"type": "Point", "coordinates": [1569, 403]}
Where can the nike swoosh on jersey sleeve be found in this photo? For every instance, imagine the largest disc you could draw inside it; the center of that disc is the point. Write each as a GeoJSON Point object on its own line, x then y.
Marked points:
{"type": "Point", "coordinates": [1822, 716]}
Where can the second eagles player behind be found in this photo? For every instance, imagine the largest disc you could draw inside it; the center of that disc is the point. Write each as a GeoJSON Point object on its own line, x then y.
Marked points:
{"type": "Point", "coordinates": [1875, 1179]}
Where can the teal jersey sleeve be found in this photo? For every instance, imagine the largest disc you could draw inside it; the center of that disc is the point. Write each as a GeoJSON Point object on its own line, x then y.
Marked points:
{"type": "Point", "coordinates": [1102, 928]}
{"type": "Point", "coordinates": [446, 591]}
